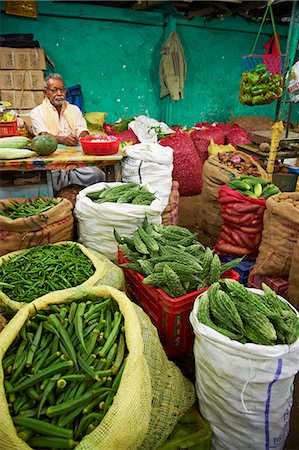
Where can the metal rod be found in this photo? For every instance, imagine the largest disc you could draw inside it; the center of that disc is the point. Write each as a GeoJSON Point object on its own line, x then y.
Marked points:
{"type": "Point", "coordinates": [289, 119]}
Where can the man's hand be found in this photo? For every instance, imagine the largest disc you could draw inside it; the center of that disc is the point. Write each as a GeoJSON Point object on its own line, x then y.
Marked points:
{"type": "Point", "coordinates": [70, 140]}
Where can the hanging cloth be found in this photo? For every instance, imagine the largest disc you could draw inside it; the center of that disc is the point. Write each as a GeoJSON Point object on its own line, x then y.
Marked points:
{"type": "Point", "coordinates": [172, 69]}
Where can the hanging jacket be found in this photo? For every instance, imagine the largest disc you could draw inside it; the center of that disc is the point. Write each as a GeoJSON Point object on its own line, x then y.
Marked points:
{"type": "Point", "coordinates": [172, 69]}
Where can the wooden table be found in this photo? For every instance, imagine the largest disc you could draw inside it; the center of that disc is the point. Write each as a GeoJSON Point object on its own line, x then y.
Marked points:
{"type": "Point", "coordinates": [254, 150]}
{"type": "Point", "coordinates": [64, 158]}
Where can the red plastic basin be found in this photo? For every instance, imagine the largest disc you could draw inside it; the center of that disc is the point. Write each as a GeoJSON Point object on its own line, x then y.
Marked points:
{"type": "Point", "coordinates": [99, 145]}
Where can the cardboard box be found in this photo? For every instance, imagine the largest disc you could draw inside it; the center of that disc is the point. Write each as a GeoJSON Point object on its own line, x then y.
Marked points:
{"type": "Point", "coordinates": [188, 210]}
{"type": "Point", "coordinates": [22, 79]}
{"type": "Point", "coordinates": [22, 58]}
{"type": "Point", "coordinates": [22, 99]}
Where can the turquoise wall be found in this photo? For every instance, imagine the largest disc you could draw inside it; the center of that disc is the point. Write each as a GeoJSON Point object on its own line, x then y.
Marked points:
{"type": "Point", "coordinates": [115, 53]}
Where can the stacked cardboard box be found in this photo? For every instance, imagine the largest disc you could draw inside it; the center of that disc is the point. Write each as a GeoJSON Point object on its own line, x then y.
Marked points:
{"type": "Point", "coordinates": [22, 77]}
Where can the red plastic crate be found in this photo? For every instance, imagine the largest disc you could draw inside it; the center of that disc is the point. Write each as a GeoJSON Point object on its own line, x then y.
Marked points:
{"type": "Point", "coordinates": [169, 315]}
{"type": "Point", "coordinates": [9, 128]}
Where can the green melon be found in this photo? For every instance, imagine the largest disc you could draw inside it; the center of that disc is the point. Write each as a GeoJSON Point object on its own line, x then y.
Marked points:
{"type": "Point", "coordinates": [44, 144]}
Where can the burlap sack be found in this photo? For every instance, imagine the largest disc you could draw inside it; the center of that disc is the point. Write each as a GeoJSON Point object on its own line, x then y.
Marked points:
{"type": "Point", "coordinates": [51, 226]}
{"type": "Point", "coordinates": [293, 289]}
{"type": "Point", "coordinates": [170, 215]}
{"type": "Point", "coordinates": [215, 175]}
{"type": "Point", "coordinates": [100, 271]}
{"type": "Point", "coordinates": [152, 396]}
{"type": "Point", "coordinates": [280, 235]}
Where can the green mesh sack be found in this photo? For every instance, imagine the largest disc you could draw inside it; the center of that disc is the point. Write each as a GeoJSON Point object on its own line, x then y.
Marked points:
{"type": "Point", "coordinates": [152, 395]}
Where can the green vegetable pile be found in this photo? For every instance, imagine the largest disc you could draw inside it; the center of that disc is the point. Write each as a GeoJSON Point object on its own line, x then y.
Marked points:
{"type": "Point", "coordinates": [253, 187]}
{"type": "Point", "coordinates": [172, 259]}
{"type": "Point", "coordinates": [124, 193]}
{"type": "Point", "coordinates": [259, 86]}
{"type": "Point", "coordinates": [63, 371]}
{"type": "Point", "coordinates": [31, 208]}
{"type": "Point", "coordinates": [43, 269]}
{"type": "Point", "coordinates": [122, 125]}
{"type": "Point", "coordinates": [234, 311]}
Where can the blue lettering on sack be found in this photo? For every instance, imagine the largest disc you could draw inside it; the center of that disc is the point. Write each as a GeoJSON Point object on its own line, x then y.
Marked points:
{"type": "Point", "coordinates": [268, 402]}
{"type": "Point", "coordinates": [286, 428]}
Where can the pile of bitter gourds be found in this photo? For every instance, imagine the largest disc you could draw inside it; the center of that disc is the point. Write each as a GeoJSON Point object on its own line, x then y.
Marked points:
{"type": "Point", "coordinates": [63, 371]}
{"type": "Point", "coordinates": [242, 315]}
{"type": "Point", "coordinates": [171, 258]}
{"type": "Point", "coordinates": [125, 193]}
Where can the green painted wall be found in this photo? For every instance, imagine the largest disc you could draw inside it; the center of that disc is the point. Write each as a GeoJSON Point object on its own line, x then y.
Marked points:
{"type": "Point", "coordinates": [114, 54]}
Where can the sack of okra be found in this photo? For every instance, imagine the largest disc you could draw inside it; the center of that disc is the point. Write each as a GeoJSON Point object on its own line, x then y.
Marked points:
{"type": "Point", "coordinates": [91, 374]}
{"type": "Point", "coordinates": [28, 274]}
{"type": "Point", "coordinates": [25, 223]}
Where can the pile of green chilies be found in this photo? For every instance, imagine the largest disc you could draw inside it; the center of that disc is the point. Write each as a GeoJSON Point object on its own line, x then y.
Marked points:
{"type": "Point", "coordinates": [63, 370]}
{"type": "Point", "coordinates": [22, 210]}
{"type": "Point", "coordinates": [43, 269]}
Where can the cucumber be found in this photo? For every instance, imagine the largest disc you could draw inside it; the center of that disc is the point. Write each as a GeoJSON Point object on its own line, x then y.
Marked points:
{"type": "Point", "coordinates": [258, 188]}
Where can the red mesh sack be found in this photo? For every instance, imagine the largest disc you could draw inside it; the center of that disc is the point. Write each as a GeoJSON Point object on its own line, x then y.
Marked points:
{"type": "Point", "coordinates": [201, 138]}
{"type": "Point", "coordinates": [237, 136]}
{"type": "Point", "coordinates": [187, 166]}
{"type": "Point", "coordinates": [123, 136]}
{"type": "Point", "coordinates": [242, 227]}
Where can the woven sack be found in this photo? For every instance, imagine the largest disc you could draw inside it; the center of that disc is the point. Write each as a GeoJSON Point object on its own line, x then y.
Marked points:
{"type": "Point", "coordinates": [170, 215]}
{"type": "Point", "coordinates": [6, 302]}
{"type": "Point", "coordinates": [280, 235]}
{"type": "Point", "coordinates": [242, 217]}
{"type": "Point", "coordinates": [293, 288]}
{"type": "Point", "coordinates": [51, 226]}
{"type": "Point", "coordinates": [152, 396]}
{"type": "Point", "coordinates": [215, 175]}
{"type": "Point", "coordinates": [112, 274]}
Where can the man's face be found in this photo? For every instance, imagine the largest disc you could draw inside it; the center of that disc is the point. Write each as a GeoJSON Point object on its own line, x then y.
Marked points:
{"type": "Point", "coordinates": [56, 91]}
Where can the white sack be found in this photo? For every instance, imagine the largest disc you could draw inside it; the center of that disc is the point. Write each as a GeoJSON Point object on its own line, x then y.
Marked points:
{"type": "Point", "coordinates": [97, 221]}
{"type": "Point", "coordinates": [149, 164]}
{"type": "Point", "coordinates": [147, 129]}
{"type": "Point", "coordinates": [244, 390]}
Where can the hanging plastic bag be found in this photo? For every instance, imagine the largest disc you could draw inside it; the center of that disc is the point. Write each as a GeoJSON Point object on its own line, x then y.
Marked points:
{"type": "Point", "coordinates": [261, 78]}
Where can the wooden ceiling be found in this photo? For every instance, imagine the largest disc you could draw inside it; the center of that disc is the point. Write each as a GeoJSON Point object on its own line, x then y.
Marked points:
{"type": "Point", "coordinates": [189, 9]}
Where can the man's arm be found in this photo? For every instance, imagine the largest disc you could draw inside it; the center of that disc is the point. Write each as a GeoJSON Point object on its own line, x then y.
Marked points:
{"type": "Point", "coordinates": [81, 126]}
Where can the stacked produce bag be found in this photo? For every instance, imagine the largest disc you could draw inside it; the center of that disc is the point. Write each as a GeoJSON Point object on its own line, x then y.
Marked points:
{"type": "Point", "coordinates": [218, 170]}
{"type": "Point", "coordinates": [279, 245]}
{"type": "Point", "coordinates": [102, 207]}
{"type": "Point", "coordinates": [25, 223]}
{"type": "Point", "coordinates": [101, 383]}
{"type": "Point", "coordinates": [246, 344]}
{"type": "Point", "coordinates": [243, 202]}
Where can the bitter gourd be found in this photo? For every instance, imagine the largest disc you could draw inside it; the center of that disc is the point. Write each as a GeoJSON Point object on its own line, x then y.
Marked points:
{"type": "Point", "coordinates": [173, 282]}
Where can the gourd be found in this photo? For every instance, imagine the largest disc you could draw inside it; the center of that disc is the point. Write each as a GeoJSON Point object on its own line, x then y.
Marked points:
{"type": "Point", "coordinates": [44, 145]}
{"type": "Point", "coordinates": [14, 142]}
{"type": "Point", "coordinates": [15, 153]}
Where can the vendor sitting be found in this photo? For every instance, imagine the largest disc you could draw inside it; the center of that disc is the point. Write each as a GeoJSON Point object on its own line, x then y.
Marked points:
{"type": "Point", "coordinates": [66, 123]}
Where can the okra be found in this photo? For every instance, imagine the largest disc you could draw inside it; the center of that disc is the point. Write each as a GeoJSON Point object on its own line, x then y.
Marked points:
{"type": "Point", "coordinates": [79, 324]}
{"type": "Point", "coordinates": [65, 338]}
{"type": "Point", "coordinates": [70, 405]}
{"type": "Point", "coordinates": [85, 421]}
{"type": "Point", "coordinates": [45, 442]}
{"type": "Point", "coordinates": [119, 355]}
{"type": "Point", "coordinates": [45, 373]}
{"type": "Point", "coordinates": [113, 335]}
